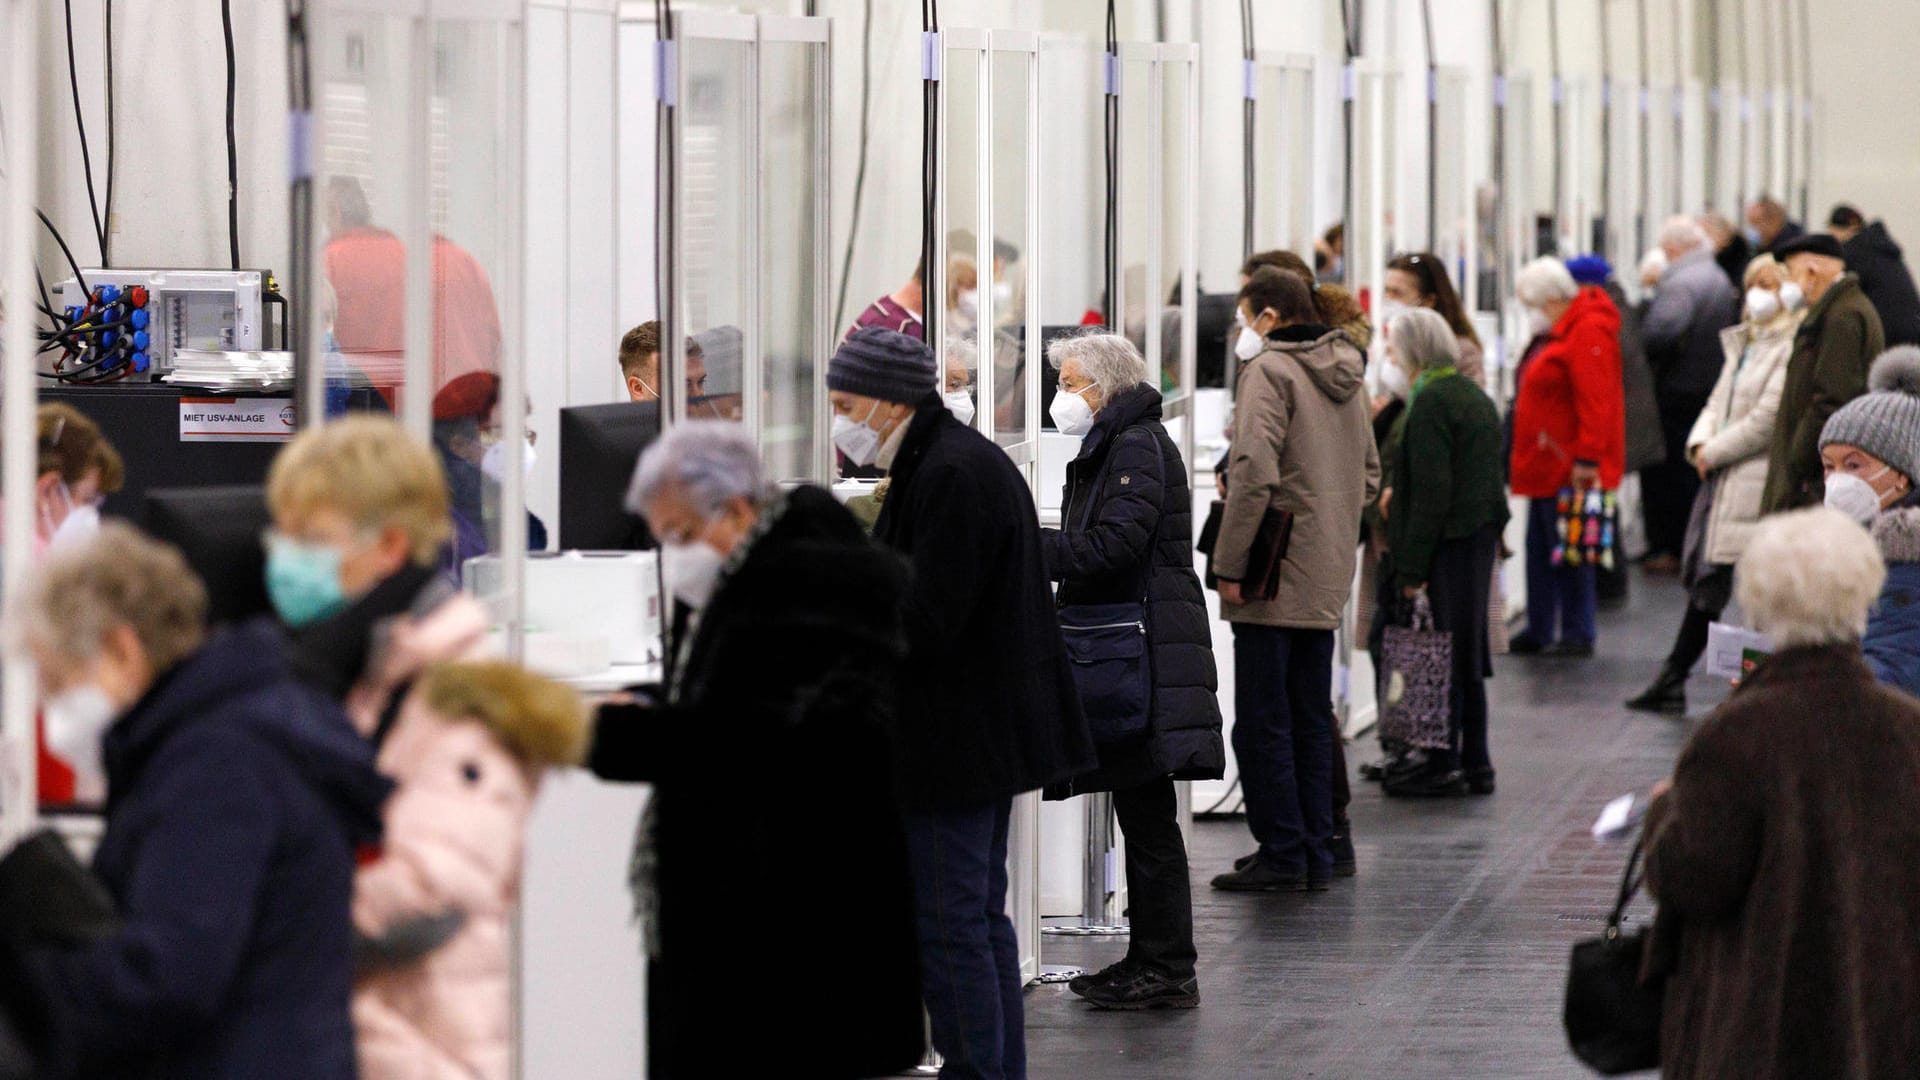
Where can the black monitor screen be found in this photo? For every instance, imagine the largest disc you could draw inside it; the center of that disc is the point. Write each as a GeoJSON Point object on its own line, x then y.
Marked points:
{"type": "Point", "coordinates": [218, 529]}
{"type": "Point", "coordinates": [599, 446]}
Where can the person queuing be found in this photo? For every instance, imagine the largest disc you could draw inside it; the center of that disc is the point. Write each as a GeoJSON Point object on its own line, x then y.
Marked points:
{"type": "Point", "coordinates": [1127, 533]}
{"type": "Point", "coordinates": [1874, 257]}
{"type": "Point", "coordinates": [1769, 228]}
{"type": "Point", "coordinates": [640, 365]}
{"type": "Point", "coordinates": [902, 311]}
{"type": "Point", "coordinates": [1870, 450]}
{"type": "Point", "coordinates": [236, 800]}
{"type": "Point", "coordinates": [785, 651]}
{"type": "Point", "coordinates": [1420, 280]}
{"type": "Point", "coordinates": [1302, 446]}
{"type": "Point", "coordinates": [1681, 327]}
{"type": "Point", "coordinates": [1728, 450]}
{"type": "Point", "coordinates": [1731, 249]}
{"type": "Point", "coordinates": [1839, 337]}
{"type": "Point", "coordinates": [1569, 434]}
{"type": "Point", "coordinates": [1781, 851]}
{"type": "Point", "coordinates": [988, 707]}
{"type": "Point", "coordinates": [1444, 519]}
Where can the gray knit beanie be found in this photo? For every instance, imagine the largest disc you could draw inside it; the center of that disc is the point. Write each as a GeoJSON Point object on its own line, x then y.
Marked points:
{"type": "Point", "coordinates": [1886, 421]}
{"type": "Point", "coordinates": [884, 364]}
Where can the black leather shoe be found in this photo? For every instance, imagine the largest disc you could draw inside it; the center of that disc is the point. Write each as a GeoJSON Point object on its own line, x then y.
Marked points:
{"type": "Point", "coordinates": [1526, 645]}
{"type": "Point", "coordinates": [1112, 972]}
{"type": "Point", "coordinates": [1259, 877]}
{"type": "Point", "coordinates": [1340, 847]}
{"type": "Point", "coordinates": [1139, 989]}
{"type": "Point", "coordinates": [1568, 650]}
{"type": "Point", "coordinates": [1245, 861]}
{"type": "Point", "coordinates": [1666, 697]}
{"type": "Point", "coordinates": [1480, 781]}
{"type": "Point", "coordinates": [1438, 781]}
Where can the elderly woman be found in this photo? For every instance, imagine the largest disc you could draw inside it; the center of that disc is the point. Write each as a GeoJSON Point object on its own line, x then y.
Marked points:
{"type": "Point", "coordinates": [1781, 852]}
{"type": "Point", "coordinates": [1443, 526]}
{"type": "Point", "coordinates": [1569, 432]}
{"type": "Point", "coordinates": [784, 655]}
{"type": "Point", "coordinates": [1127, 534]}
{"type": "Point", "coordinates": [1728, 447]}
{"type": "Point", "coordinates": [237, 801]}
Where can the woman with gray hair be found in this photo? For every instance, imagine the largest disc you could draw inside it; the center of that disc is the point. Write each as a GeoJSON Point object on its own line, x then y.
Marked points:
{"type": "Point", "coordinates": [1444, 517]}
{"type": "Point", "coordinates": [1126, 536]}
{"type": "Point", "coordinates": [1781, 852]}
{"type": "Point", "coordinates": [784, 657]}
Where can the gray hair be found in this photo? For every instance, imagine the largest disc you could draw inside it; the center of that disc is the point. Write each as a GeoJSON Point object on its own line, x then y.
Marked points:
{"type": "Point", "coordinates": [1684, 234]}
{"type": "Point", "coordinates": [1109, 360]}
{"type": "Point", "coordinates": [1543, 281]}
{"type": "Point", "coordinates": [1424, 339]}
{"type": "Point", "coordinates": [1809, 578]}
{"type": "Point", "coordinates": [711, 461]}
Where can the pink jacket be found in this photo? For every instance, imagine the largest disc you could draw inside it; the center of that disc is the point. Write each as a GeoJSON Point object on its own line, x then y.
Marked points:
{"type": "Point", "coordinates": [468, 753]}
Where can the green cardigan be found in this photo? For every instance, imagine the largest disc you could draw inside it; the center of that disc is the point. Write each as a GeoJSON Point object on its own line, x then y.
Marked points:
{"type": "Point", "coordinates": [1447, 476]}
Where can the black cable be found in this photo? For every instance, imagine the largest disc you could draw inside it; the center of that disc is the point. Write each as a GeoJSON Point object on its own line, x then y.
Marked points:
{"type": "Point", "coordinates": [1111, 117]}
{"type": "Point", "coordinates": [860, 170]}
{"type": "Point", "coordinates": [80, 121]}
{"type": "Point", "coordinates": [106, 234]}
{"type": "Point", "coordinates": [233, 146]}
{"type": "Point", "coordinates": [72, 263]}
{"type": "Point", "coordinates": [300, 211]}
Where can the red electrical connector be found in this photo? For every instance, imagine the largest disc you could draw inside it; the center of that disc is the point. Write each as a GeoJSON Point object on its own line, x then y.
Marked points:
{"type": "Point", "coordinates": [137, 296]}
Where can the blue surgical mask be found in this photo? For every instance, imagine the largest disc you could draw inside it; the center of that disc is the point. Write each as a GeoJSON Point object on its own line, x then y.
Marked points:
{"type": "Point", "coordinates": [303, 581]}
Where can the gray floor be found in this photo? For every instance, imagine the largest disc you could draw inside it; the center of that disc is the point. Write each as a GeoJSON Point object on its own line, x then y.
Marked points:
{"type": "Point", "coordinates": [1447, 956]}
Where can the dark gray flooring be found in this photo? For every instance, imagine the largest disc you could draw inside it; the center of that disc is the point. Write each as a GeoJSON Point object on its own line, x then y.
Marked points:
{"type": "Point", "coordinates": [1447, 956]}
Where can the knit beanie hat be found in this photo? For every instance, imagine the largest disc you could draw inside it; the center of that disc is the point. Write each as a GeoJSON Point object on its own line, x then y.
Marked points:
{"type": "Point", "coordinates": [885, 364]}
{"type": "Point", "coordinates": [1589, 269]}
{"type": "Point", "coordinates": [1886, 421]}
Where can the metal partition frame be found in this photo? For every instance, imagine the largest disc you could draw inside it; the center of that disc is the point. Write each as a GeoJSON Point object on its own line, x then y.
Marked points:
{"type": "Point", "coordinates": [19, 779]}
{"type": "Point", "coordinates": [674, 85]}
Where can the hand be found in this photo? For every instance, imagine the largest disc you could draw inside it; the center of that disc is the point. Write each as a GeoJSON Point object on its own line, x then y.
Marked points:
{"type": "Point", "coordinates": [1386, 499]}
{"type": "Point", "coordinates": [1700, 464]}
{"type": "Point", "coordinates": [1230, 593]}
{"type": "Point", "coordinates": [1380, 405]}
{"type": "Point", "coordinates": [1660, 787]}
{"type": "Point", "coordinates": [1412, 591]}
{"type": "Point", "coordinates": [1585, 476]}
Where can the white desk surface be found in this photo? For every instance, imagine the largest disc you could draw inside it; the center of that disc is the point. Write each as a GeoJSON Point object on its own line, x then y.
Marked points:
{"type": "Point", "coordinates": [617, 677]}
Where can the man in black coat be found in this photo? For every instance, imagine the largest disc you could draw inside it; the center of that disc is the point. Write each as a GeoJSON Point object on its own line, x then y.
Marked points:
{"type": "Point", "coordinates": [769, 748]}
{"type": "Point", "coordinates": [988, 707]}
{"type": "Point", "coordinates": [1877, 261]}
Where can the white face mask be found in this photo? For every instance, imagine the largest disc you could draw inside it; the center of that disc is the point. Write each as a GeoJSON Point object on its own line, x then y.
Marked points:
{"type": "Point", "coordinates": [1002, 296]}
{"type": "Point", "coordinates": [960, 404]}
{"type": "Point", "coordinates": [1538, 321]}
{"type": "Point", "coordinates": [81, 524]}
{"type": "Point", "coordinates": [1855, 496]}
{"type": "Point", "coordinates": [856, 438]}
{"type": "Point", "coordinates": [691, 571]}
{"type": "Point", "coordinates": [1762, 304]}
{"type": "Point", "coordinates": [1070, 411]}
{"type": "Point", "coordinates": [1792, 297]}
{"type": "Point", "coordinates": [1393, 379]}
{"type": "Point", "coordinates": [75, 722]}
{"type": "Point", "coordinates": [494, 462]}
{"type": "Point", "coordinates": [1249, 344]}
{"type": "Point", "coordinates": [969, 303]}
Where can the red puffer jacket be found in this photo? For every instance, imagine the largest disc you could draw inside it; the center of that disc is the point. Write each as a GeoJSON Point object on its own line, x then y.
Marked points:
{"type": "Point", "coordinates": [1571, 403]}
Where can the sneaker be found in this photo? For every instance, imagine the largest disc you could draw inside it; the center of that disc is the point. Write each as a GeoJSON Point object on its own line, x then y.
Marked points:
{"type": "Point", "coordinates": [1259, 877]}
{"type": "Point", "coordinates": [1083, 983]}
{"type": "Point", "coordinates": [1140, 989]}
{"type": "Point", "coordinates": [1480, 781]}
{"type": "Point", "coordinates": [1341, 848]}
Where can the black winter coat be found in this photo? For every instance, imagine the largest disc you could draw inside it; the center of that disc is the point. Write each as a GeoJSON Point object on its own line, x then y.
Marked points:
{"type": "Point", "coordinates": [988, 704]}
{"type": "Point", "coordinates": [236, 799]}
{"type": "Point", "coordinates": [770, 765]}
{"type": "Point", "coordinates": [1882, 269]}
{"type": "Point", "coordinates": [1127, 532]}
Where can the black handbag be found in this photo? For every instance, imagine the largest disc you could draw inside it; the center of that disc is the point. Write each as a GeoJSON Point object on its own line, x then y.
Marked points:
{"type": "Point", "coordinates": [1612, 1017]}
{"type": "Point", "coordinates": [1108, 648]}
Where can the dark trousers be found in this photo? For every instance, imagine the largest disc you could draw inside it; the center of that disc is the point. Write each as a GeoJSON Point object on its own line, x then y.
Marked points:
{"type": "Point", "coordinates": [1560, 599]}
{"type": "Point", "coordinates": [1283, 742]}
{"type": "Point", "coordinates": [1706, 601]}
{"type": "Point", "coordinates": [1457, 587]}
{"type": "Point", "coordinates": [1160, 898]}
{"type": "Point", "coordinates": [969, 957]}
{"type": "Point", "coordinates": [1667, 489]}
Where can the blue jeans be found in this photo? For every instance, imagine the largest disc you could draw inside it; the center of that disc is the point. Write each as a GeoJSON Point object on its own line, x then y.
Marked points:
{"type": "Point", "coordinates": [1560, 599]}
{"type": "Point", "coordinates": [1283, 742]}
{"type": "Point", "coordinates": [969, 957]}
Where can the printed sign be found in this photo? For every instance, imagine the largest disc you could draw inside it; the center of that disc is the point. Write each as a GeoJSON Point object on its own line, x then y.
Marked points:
{"type": "Point", "coordinates": [236, 419]}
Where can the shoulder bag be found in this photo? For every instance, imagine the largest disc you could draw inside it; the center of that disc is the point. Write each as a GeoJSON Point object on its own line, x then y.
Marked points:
{"type": "Point", "coordinates": [1612, 1018]}
{"type": "Point", "coordinates": [1108, 647]}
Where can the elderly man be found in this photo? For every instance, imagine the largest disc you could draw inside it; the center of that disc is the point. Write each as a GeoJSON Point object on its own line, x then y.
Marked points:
{"type": "Point", "coordinates": [1877, 260]}
{"type": "Point", "coordinates": [1681, 329]}
{"type": "Point", "coordinates": [988, 705]}
{"type": "Point", "coordinates": [785, 651]}
{"type": "Point", "coordinates": [1831, 352]}
{"type": "Point", "coordinates": [1769, 228]}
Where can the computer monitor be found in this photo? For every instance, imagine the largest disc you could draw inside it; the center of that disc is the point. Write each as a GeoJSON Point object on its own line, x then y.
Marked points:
{"type": "Point", "coordinates": [218, 529]}
{"type": "Point", "coordinates": [599, 446]}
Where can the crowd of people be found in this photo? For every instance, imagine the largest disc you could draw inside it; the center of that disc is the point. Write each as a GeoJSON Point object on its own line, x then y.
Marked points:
{"type": "Point", "coordinates": [314, 821]}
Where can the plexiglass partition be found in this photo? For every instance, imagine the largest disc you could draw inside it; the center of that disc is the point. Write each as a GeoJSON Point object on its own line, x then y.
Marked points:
{"type": "Point", "coordinates": [1729, 157]}
{"type": "Point", "coordinates": [1453, 175]}
{"type": "Point", "coordinates": [1584, 226]}
{"type": "Point", "coordinates": [1283, 140]}
{"type": "Point", "coordinates": [1523, 209]}
{"type": "Point", "coordinates": [19, 143]}
{"type": "Point", "coordinates": [1379, 126]}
